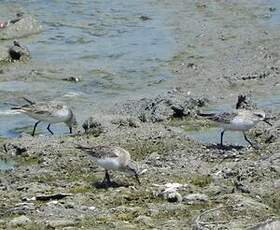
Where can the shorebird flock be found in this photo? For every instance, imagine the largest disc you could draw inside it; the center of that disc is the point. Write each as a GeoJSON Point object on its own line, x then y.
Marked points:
{"type": "Point", "coordinates": [117, 158]}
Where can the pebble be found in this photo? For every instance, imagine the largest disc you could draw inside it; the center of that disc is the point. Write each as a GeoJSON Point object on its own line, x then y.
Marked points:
{"type": "Point", "coordinates": [61, 223]}
{"type": "Point", "coordinates": [174, 197]}
{"type": "Point", "coordinates": [19, 221]}
{"type": "Point", "coordinates": [144, 220]}
{"type": "Point", "coordinates": [195, 198]}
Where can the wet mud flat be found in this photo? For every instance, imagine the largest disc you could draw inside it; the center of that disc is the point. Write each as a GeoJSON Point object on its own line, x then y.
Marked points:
{"type": "Point", "coordinates": [186, 184]}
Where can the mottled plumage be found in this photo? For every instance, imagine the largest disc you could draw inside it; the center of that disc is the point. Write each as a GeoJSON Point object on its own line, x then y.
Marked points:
{"type": "Point", "coordinates": [111, 158]}
{"type": "Point", "coordinates": [222, 117]}
{"type": "Point", "coordinates": [240, 120]}
{"type": "Point", "coordinates": [106, 151]}
{"type": "Point", "coordinates": [50, 112]}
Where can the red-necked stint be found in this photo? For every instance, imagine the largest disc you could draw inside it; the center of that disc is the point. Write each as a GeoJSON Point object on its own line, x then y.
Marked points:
{"type": "Point", "coordinates": [240, 120]}
{"type": "Point", "coordinates": [111, 158]}
{"type": "Point", "coordinates": [50, 112]}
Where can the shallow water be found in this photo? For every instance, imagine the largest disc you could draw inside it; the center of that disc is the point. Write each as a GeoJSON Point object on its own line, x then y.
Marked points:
{"type": "Point", "coordinates": [6, 165]}
{"type": "Point", "coordinates": [212, 135]}
{"type": "Point", "coordinates": [272, 16]}
{"type": "Point", "coordinates": [105, 43]}
{"type": "Point", "coordinates": [116, 54]}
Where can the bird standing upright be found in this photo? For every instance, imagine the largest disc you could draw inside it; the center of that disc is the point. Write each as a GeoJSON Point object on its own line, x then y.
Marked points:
{"type": "Point", "coordinates": [50, 112]}
{"type": "Point", "coordinates": [240, 120]}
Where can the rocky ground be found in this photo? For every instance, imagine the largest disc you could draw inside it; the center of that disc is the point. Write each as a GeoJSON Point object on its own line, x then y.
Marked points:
{"type": "Point", "coordinates": [185, 184]}
{"type": "Point", "coordinates": [225, 50]}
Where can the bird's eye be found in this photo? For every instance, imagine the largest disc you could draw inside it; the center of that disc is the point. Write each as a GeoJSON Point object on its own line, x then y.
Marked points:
{"type": "Point", "coordinates": [259, 115]}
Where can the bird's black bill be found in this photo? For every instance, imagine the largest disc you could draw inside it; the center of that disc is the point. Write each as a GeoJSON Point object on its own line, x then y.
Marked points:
{"type": "Point", "coordinates": [70, 129]}
{"type": "Point", "coordinates": [267, 122]}
{"type": "Point", "coordinates": [137, 178]}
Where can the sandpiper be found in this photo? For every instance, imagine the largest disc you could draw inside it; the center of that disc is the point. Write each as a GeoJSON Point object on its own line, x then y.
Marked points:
{"type": "Point", "coordinates": [111, 158]}
{"type": "Point", "coordinates": [240, 120]}
{"type": "Point", "coordinates": [49, 112]}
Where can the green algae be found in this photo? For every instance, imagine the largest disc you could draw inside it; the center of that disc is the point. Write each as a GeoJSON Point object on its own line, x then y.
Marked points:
{"type": "Point", "coordinates": [29, 160]}
{"type": "Point", "coordinates": [80, 189]}
{"type": "Point", "coordinates": [189, 124]}
{"type": "Point", "coordinates": [201, 180]}
{"type": "Point", "coordinates": [141, 149]}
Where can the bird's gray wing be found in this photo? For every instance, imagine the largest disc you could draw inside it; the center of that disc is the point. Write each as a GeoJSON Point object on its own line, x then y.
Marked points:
{"type": "Point", "coordinates": [224, 117]}
{"type": "Point", "coordinates": [42, 108]}
{"type": "Point", "coordinates": [100, 151]}
{"type": "Point", "coordinates": [39, 108]}
{"type": "Point", "coordinates": [219, 117]}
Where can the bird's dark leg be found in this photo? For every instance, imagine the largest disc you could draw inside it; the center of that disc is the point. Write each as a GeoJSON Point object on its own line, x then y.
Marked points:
{"type": "Point", "coordinates": [33, 133]}
{"type": "Point", "coordinates": [70, 130]}
{"type": "Point", "coordinates": [107, 177]}
{"type": "Point", "coordinates": [137, 179]}
{"type": "Point", "coordinates": [246, 138]}
{"type": "Point", "coordinates": [222, 137]}
{"type": "Point", "coordinates": [48, 128]}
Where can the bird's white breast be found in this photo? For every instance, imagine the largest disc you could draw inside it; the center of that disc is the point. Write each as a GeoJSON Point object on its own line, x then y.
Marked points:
{"type": "Point", "coordinates": [239, 123]}
{"type": "Point", "coordinates": [109, 163]}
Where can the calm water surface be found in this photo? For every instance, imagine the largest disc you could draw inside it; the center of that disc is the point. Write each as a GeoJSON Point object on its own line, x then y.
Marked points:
{"type": "Point", "coordinates": [6, 165]}
{"type": "Point", "coordinates": [105, 43]}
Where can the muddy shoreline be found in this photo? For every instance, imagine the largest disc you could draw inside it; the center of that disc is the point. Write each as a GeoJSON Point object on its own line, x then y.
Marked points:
{"type": "Point", "coordinates": [214, 187]}
{"type": "Point", "coordinates": [232, 52]}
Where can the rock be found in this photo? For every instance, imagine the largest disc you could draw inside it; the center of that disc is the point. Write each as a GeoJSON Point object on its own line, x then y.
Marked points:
{"type": "Point", "coordinates": [132, 122]}
{"type": "Point", "coordinates": [268, 134]}
{"type": "Point", "coordinates": [19, 221]}
{"type": "Point", "coordinates": [61, 223]}
{"type": "Point", "coordinates": [69, 205]}
{"type": "Point", "coordinates": [144, 18]}
{"type": "Point", "coordinates": [171, 187]}
{"type": "Point", "coordinates": [169, 191]}
{"type": "Point", "coordinates": [195, 198]}
{"type": "Point", "coordinates": [72, 79]}
{"type": "Point", "coordinates": [200, 5]}
{"type": "Point", "coordinates": [178, 111]}
{"type": "Point", "coordinates": [174, 197]}
{"type": "Point", "coordinates": [191, 65]}
{"type": "Point", "coordinates": [272, 9]}
{"type": "Point", "coordinates": [145, 220]}
{"type": "Point", "coordinates": [18, 52]}
{"type": "Point", "coordinates": [173, 105]}
{"type": "Point", "coordinates": [92, 126]}
{"type": "Point", "coordinates": [22, 208]}
{"type": "Point", "coordinates": [269, 225]}
{"type": "Point", "coordinates": [14, 149]}
{"type": "Point", "coordinates": [126, 122]}
{"type": "Point", "coordinates": [241, 187]}
{"type": "Point", "coordinates": [21, 27]}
